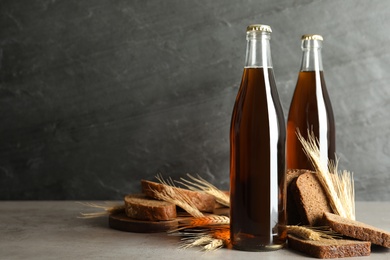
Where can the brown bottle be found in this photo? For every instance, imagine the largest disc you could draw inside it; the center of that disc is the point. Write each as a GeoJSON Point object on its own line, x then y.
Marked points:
{"type": "Point", "coordinates": [310, 108]}
{"type": "Point", "coordinates": [257, 152]}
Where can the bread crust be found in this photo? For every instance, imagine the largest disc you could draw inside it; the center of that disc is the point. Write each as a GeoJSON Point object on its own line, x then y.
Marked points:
{"type": "Point", "coordinates": [293, 216]}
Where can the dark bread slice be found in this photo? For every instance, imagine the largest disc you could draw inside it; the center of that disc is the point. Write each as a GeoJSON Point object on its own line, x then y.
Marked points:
{"type": "Point", "coordinates": [293, 216]}
{"type": "Point", "coordinates": [310, 199]}
{"type": "Point", "coordinates": [141, 207]}
{"type": "Point", "coordinates": [358, 230]}
{"type": "Point", "coordinates": [330, 248]}
{"type": "Point", "coordinates": [120, 221]}
{"type": "Point", "coordinates": [204, 202]}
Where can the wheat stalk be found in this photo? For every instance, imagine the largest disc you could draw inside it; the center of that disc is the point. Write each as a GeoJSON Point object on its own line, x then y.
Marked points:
{"type": "Point", "coordinates": [175, 196]}
{"type": "Point", "coordinates": [344, 185]}
{"type": "Point", "coordinates": [200, 184]}
{"type": "Point", "coordinates": [338, 186]}
{"type": "Point", "coordinates": [107, 209]}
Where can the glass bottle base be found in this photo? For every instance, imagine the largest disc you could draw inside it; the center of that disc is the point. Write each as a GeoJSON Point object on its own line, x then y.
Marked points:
{"type": "Point", "coordinates": [258, 248]}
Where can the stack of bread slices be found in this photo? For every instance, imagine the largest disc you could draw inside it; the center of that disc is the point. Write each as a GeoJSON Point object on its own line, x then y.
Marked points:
{"type": "Point", "coordinates": [307, 204]}
{"type": "Point", "coordinates": [145, 213]}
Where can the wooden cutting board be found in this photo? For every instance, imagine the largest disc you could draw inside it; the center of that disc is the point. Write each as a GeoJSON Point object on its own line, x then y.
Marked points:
{"type": "Point", "coordinates": [122, 222]}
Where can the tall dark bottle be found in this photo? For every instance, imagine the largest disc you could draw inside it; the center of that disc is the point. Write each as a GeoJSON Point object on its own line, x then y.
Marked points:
{"type": "Point", "coordinates": [257, 152]}
{"type": "Point", "coordinates": [310, 108]}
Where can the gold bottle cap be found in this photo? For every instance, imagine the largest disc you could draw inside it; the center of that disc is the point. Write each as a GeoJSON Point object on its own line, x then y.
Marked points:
{"type": "Point", "coordinates": [259, 27]}
{"type": "Point", "coordinates": [312, 37]}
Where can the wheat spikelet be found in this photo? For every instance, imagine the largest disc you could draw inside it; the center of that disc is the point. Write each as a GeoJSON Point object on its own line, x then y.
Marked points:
{"type": "Point", "coordinates": [308, 233]}
{"type": "Point", "coordinates": [312, 233]}
{"type": "Point", "coordinates": [223, 234]}
{"type": "Point", "coordinates": [214, 244]}
{"type": "Point", "coordinates": [204, 240]}
{"type": "Point", "coordinates": [107, 209]}
{"type": "Point", "coordinates": [338, 186]}
{"type": "Point", "coordinates": [210, 220]}
{"type": "Point", "coordinates": [200, 184]}
{"type": "Point", "coordinates": [195, 241]}
{"type": "Point", "coordinates": [303, 232]}
{"type": "Point", "coordinates": [173, 195]}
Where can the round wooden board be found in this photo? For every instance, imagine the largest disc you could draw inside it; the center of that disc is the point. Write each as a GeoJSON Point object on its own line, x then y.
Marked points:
{"type": "Point", "coordinates": [122, 222]}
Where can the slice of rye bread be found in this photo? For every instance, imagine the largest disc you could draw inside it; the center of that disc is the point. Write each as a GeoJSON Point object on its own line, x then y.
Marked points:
{"type": "Point", "coordinates": [330, 248]}
{"type": "Point", "coordinates": [310, 199]}
{"type": "Point", "coordinates": [204, 202]}
{"type": "Point", "coordinates": [141, 207]}
{"type": "Point", "coordinates": [358, 230]}
{"type": "Point", "coordinates": [293, 216]}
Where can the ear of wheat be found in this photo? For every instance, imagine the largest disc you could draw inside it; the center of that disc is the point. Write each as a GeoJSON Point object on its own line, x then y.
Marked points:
{"type": "Point", "coordinates": [175, 196]}
{"type": "Point", "coordinates": [312, 233]}
{"type": "Point", "coordinates": [339, 186]}
{"type": "Point", "coordinates": [200, 184]}
{"type": "Point", "coordinates": [209, 221]}
{"type": "Point", "coordinates": [207, 240]}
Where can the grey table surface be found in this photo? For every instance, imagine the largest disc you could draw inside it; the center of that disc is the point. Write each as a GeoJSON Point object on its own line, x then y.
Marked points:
{"type": "Point", "coordinates": [52, 230]}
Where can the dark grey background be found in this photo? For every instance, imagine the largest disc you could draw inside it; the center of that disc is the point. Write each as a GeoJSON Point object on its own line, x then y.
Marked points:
{"type": "Point", "coordinates": [96, 95]}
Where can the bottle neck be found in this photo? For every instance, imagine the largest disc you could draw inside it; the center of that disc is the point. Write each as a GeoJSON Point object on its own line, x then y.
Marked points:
{"type": "Point", "coordinates": [258, 50]}
{"type": "Point", "coordinates": [311, 57]}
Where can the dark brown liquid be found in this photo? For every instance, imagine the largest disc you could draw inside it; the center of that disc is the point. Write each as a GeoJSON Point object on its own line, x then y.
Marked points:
{"type": "Point", "coordinates": [310, 109]}
{"type": "Point", "coordinates": [257, 164]}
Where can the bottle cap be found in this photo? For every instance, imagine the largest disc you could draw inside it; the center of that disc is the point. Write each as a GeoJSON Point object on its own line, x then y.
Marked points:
{"type": "Point", "coordinates": [259, 27]}
{"type": "Point", "coordinates": [312, 37]}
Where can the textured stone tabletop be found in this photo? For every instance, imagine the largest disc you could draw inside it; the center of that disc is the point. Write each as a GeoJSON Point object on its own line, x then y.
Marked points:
{"type": "Point", "coordinates": [51, 230]}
